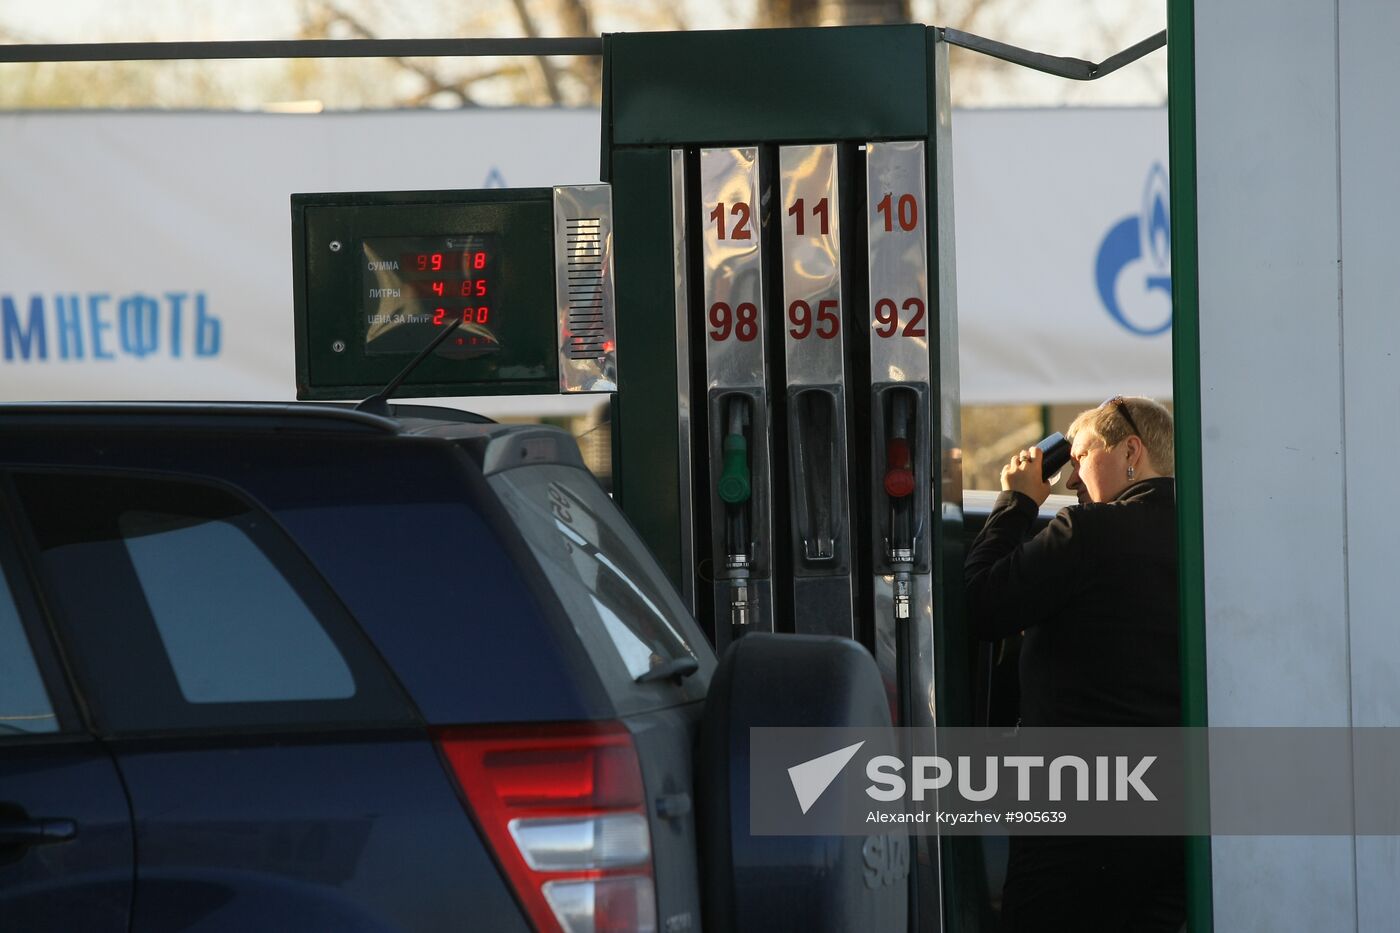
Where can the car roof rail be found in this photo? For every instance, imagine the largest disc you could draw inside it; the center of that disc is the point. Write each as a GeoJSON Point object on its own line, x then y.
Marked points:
{"type": "Point", "coordinates": [196, 414]}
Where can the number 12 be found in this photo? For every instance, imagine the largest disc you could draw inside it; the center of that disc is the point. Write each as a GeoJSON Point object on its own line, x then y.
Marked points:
{"type": "Point", "coordinates": [741, 214]}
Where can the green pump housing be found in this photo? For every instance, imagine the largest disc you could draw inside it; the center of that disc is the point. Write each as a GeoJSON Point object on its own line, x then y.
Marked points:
{"type": "Point", "coordinates": [754, 469]}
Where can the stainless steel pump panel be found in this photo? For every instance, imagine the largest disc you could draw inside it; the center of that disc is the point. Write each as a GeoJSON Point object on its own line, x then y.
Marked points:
{"type": "Point", "coordinates": [814, 327]}
{"type": "Point", "coordinates": [901, 322]}
{"type": "Point", "coordinates": [733, 263]}
{"type": "Point", "coordinates": [584, 289]}
{"type": "Point", "coordinates": [814, 338]}
{"type": "Point", "coordinates": [899, 314]}
{"type": "Point", "coordinates": [738, 394]}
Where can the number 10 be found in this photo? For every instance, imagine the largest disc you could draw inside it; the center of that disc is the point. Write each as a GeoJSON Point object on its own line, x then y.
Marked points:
{"type": "Point", "coordinates": [908, 211]}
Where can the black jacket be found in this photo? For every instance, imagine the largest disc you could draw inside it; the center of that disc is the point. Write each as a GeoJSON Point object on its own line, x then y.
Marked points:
{"type": "Point", "coordinates": [1096, 595]}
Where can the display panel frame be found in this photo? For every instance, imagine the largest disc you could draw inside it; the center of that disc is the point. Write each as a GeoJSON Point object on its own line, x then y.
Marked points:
{"type": "Point", "coordinates": [333, 360]}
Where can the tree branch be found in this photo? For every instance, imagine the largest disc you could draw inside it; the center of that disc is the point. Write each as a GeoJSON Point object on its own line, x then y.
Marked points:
{"type": "Point", "coordinates": [551, 80]}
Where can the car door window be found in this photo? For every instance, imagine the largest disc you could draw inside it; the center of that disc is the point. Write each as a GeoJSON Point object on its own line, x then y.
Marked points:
{"type": "Point", "coordinates": [231, 624]}
{"type": "Point", "coordinates": [187, 607]}
{"type": "Point", "coordinates": [24, 703]}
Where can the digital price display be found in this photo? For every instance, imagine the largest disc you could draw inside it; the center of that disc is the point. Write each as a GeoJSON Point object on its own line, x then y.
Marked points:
{"type": "Point", "coordinates": [415, 286]}
{"type": "Point", "coordinates": [517, 281]}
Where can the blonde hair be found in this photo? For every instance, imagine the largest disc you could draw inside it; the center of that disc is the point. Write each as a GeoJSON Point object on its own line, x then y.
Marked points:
{"type": "Point", "coordinates": [1154, 424]}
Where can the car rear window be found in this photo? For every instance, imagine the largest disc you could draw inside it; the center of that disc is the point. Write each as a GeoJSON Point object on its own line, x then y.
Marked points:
{"type": "Point", "coordinates": [187, 607]}
{"type": "Point", "coordinates": [625, 611]}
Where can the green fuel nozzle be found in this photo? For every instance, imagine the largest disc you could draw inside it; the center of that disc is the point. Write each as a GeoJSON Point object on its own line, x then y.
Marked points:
{"type": "Point", "coordinates": [734, 487]}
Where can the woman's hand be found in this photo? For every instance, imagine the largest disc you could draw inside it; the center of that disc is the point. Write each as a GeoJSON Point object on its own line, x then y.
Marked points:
{"type": "Point", "coordinates": [1023, 475]}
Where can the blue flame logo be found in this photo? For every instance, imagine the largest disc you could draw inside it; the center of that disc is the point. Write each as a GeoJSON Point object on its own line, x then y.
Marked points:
{"type": "Point", "coordinates": [1134, 260]}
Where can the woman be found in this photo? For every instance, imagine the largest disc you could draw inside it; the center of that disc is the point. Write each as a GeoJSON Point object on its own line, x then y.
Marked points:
{"type": "Point", "coordinates": [1095, 593]}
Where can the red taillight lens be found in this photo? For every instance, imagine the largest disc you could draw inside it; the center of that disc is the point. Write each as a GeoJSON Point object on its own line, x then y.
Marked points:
{"type": "Point", "coordinates": [564, 810]}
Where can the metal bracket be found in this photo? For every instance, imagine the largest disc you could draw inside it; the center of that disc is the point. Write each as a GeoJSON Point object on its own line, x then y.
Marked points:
{"type": "Point", "coordinates": [1076, 69]}
{"type": "Point", "coordinates": [299, 48]}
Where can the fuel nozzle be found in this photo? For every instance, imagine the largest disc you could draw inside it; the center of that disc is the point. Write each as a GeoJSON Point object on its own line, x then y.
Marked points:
{"type": "Point", "coordinates": [734, 486]}
{"type": "Point", "coordinates": [899, 482]}
{"type": "Point", "coordinates": [735, 490]}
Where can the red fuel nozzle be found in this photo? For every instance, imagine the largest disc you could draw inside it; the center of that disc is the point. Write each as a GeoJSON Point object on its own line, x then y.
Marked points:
{"type": "Point", "coordinates": [899, 474]}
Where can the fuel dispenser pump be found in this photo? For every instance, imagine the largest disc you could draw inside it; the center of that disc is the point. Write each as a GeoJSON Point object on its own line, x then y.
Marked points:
{"type": "Point", "coordinates": [905, 453]}
{"type": "Point", "coordinates": [803, 276]}
{"type": "Point", "coordinates": [901, 453]}
{"type": "Point", "coordinates": [737, 396]}
{"type": "Point", "coordinates": [815, 335]}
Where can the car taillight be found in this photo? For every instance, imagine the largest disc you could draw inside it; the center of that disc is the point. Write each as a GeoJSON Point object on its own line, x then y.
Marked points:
{"type": "Point", "coordinates": [563, 808]}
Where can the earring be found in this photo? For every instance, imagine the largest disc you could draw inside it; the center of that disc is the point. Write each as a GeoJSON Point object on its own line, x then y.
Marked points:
{"type": "Point", "coordinates": [1130, 472]}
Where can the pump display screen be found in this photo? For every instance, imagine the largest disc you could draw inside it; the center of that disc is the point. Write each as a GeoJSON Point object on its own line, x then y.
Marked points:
{"type": "Point", "coordinates": [415, 286]}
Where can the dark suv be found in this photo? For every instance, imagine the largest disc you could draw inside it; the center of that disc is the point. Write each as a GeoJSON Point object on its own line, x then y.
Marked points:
{"type": "Point", "coordinates": [303, 668]}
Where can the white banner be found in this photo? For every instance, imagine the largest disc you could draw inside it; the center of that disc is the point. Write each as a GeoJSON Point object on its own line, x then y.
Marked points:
{"type": "Point", "coordinates": [148, 256]}
{"type": "Point", "coordinates": [1064, 254]}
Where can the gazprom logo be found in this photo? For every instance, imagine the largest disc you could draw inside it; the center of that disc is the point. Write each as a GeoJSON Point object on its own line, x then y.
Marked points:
{"type": "Point", "coordinates": [1134, 265]}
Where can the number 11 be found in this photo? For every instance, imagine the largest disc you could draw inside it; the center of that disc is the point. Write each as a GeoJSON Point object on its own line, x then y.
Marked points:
{"type": "Point", "coordinates": [798, 213]}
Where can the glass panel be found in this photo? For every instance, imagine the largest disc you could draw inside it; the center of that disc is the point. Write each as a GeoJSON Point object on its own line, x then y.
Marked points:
{"type": "Point", "coordinates": [232, 626]}
{"type": "Point", "coordinates": [24, 703]}
{"type": "Point", "coordinates": [627, 614]}
{"type": "Point", "coordinates": [186, 607]}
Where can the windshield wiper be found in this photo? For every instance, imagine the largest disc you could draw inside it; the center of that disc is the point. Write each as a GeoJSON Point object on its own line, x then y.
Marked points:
{"type": "Point", "coordinates": [679, 668]}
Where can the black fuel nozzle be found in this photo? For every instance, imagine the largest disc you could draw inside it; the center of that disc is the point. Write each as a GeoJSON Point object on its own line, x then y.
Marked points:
{"type": "Point", "coordinates": [735, 491]}
{"type": "Point", "coordinates": [737, 562]}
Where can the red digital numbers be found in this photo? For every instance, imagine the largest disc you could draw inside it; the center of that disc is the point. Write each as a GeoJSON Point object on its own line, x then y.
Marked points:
{"type": "Point", "coordinates": [740, 322]}
{"type": "Point", "coordinates": [741, 214]}
{"type": "Point", "coordinates": [479, 315]}
{"type": "Point", "coordinates": [447, 288]}
{"type": "Point", "coordinates": [820, 211]}
{"type": "Point", "coordinates": [437, 262]}
{"type": "Point", "coordinates": [887, 318]}
{"type": "Point", "coordinates": [827, 324]}
{"type": "Point", "coordinates": [906, 210]}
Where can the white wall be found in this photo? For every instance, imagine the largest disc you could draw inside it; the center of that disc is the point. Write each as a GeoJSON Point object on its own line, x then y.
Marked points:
{"type": "Point", "coordinates": [1370, 197]}
{"type": "Point", "coordinates": [1300, 390]}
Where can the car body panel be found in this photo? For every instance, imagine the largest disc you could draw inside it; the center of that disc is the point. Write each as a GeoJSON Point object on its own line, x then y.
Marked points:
{"type": "Point", "coordinates": [345, 831]}
{"type": "Point", "coordinates": [86, 882]}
